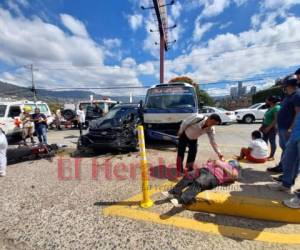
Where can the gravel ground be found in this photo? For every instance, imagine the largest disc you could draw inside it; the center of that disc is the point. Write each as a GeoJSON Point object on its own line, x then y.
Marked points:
{"type": "Point", "coordinates": [41, 211]}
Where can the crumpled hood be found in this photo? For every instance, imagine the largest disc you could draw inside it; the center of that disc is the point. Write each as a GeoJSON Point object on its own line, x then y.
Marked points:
{"type": "Point", "coordinates": [103, 123]}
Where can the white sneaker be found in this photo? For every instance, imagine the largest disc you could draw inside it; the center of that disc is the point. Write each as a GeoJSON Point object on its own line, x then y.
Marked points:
{"type": "Point", "coordinates": [292, 203]}
{"type": "Point", "coordinates": [2, 174]}
{"type": "Point", "coordinates": [175, 203]}
{"type": "Point", "coordinates": [279, 187]}
{"type": "Point", "coordinates": [167, 195]}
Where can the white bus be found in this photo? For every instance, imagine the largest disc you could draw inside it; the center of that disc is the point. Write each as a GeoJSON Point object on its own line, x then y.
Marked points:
{"type": "Point", "coordinates": [166, 105]}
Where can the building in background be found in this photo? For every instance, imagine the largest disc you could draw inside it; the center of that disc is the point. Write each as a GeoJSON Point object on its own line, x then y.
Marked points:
{"type": "Point", "coordinates": [253, 90]}
{"type": "Point", "coordinates": [233, 92]}
{"type": "Point", "coordinates": [240, 89]}
{"type": "Point", "coordinates": [243, 91]}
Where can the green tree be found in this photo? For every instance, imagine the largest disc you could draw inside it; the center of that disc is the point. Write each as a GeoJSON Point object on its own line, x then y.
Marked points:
{"type": "Point", "coordinates": [203, 96]}
{"type": "Point", "coordinates": [261, 96]}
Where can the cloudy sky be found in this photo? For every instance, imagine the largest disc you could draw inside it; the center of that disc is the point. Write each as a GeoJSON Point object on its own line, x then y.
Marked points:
{"type": "Point", "coordinates": [98, 43]}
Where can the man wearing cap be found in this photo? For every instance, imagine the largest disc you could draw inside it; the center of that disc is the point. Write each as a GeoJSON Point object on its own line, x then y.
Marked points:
{"type": "Point", "coordinates": [286, 115]}
{"type": "Point", "coordinates": [291, 153]}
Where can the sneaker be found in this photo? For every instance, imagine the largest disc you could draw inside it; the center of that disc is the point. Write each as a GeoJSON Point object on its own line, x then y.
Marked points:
{"type": "Point", "coordinates": [2, 174]}
{"type": "Point", "coordinates": [292, 203]}
{"type": "Point", "coordinates": [277, 169]}
{"type": "Point", "coordinates": [279, 187]}
{"type": "Point", "coordinates": [175, 203]}
{"type": "Point", "coordinates": [167, 195]}
{"type": "Point", "coordinates": [278, 178]}
{"type": "Point", "coordinates": [297, 191]}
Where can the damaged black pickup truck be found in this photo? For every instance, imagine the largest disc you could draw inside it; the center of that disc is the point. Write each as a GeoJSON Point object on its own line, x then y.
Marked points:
{"type": "Point", "coordinates": [116, 130]}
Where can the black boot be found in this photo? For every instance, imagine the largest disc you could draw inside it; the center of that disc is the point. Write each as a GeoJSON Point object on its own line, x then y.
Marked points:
{"type": "Point", "coordinates": [278, 169]}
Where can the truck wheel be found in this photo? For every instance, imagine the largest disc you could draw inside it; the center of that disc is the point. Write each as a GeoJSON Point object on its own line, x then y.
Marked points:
{"type": "Point", "coordinates": [248, 119]}
{"type": "Point", "coordinates": [69, 114]}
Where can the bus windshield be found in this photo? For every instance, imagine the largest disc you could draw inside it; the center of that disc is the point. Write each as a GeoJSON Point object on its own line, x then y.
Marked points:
{"type": "Point", "coordinates": [171, 97]}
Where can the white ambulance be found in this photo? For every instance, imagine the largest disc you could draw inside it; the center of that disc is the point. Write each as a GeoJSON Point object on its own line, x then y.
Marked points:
{"type": "Point", "coordinates": [10, 115]}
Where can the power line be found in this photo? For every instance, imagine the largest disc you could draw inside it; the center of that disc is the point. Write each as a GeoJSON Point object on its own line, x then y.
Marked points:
{"type": "Point", "coordinates": [148, 85]}
{"type": "Point", "coordinates": [70, 66]}
{"type": "Point", "coordinates": [245, 49]}
{"type": "Point", "coordinates": [223, 58]}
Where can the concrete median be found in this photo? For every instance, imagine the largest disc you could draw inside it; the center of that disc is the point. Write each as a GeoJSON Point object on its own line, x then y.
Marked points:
{"type": "Point", "coordinates": [244, 206]}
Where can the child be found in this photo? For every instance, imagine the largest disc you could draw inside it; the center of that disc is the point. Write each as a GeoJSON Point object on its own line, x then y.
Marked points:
{"type": "Point", "coordinates": [257, 151]}
{"type": "Point", "coordinates": [213, 174]}
{"type": "Point", "coordinates": [3, 148]}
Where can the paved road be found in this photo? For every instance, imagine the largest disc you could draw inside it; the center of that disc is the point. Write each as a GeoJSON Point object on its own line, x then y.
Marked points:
{"type": "Point", "coordinates": [42, 209]}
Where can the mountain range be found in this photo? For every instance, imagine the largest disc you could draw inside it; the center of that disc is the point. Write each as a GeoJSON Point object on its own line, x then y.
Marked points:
{"type": "Point", "coordinates": [15, 92]}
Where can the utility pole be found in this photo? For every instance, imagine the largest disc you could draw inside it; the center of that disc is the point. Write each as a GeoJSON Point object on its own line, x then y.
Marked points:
{"type": "Point", "coordinates": [162, 60]}
{"type": "Point", "coordinates": [33, 88]}
{"type": "Point", "coordinates": [33, 83]}
{"type": "Point", "coordinates": [162, 21]}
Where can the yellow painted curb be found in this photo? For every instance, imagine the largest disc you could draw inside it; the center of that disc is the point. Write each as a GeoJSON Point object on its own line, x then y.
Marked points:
{"type": "Point", "coordinates": [248, 207]}
{"type": "Point", "coordinates": [128, 209]}
{"type": "Point", "coordinates": [204, 227]}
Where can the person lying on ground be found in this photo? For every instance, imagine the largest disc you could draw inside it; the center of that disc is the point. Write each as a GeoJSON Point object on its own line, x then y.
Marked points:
{"type": "Point", "coordinates": [257, 151]}
{"type": "Point", "coordinates": [214, 173]}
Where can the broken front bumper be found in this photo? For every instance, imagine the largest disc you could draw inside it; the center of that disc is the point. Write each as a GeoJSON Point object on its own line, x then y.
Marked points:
{"type": "Point", "coordinates": [104, 140]}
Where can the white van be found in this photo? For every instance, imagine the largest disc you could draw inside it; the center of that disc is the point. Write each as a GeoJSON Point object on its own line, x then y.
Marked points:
{"type": "Point", "coordinates": [105, 105]}
{"type": "Point", "coordinates": [10, 115]}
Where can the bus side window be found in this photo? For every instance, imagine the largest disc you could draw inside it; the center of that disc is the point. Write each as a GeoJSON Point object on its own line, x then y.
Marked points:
{"type": "Point", "coordinates": [14, 111]}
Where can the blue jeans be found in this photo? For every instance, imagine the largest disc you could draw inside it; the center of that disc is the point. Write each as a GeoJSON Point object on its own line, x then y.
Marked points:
{"type": "Point", "coordinates": [42, 134]}
{"type": "Point", "coordinates": [283, 139]}
{"type": "Point", "coordinates": [195, 182]}
{"type": "Point", "coordinates": [290, 162]}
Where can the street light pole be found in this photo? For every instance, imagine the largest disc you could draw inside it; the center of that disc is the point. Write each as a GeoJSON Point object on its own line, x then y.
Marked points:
{"type": "Point", "coordinates": [162, 58]}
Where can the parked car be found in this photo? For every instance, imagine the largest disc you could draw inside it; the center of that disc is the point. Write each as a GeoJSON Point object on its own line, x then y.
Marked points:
{"type": "Point", "coordinates": [116, 130]}
{"type": "Point", "coordinates": [254, 113]}
{"type": "Point", "coordinates": [225, 115]}
{"type": "Point", "coordinates": [10, 115]}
